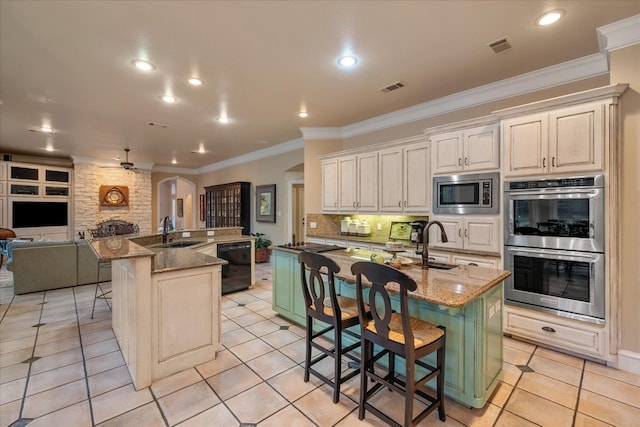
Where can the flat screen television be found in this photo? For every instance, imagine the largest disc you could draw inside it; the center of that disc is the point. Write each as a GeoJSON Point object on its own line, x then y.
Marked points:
{"type": "Point", "coordinates": [40, 214]}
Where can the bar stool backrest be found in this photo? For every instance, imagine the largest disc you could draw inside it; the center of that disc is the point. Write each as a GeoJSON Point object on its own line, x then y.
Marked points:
{"type": "Point", "coordinates": [379, 275]}
{"type": "Point", "coordinates": [315, 289]}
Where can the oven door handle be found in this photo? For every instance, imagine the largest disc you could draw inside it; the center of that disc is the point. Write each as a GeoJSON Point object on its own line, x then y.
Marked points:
{"type": "Point", "coordinates": [555, 255]}
{"type": "Point", "coordinates": [550, 193]}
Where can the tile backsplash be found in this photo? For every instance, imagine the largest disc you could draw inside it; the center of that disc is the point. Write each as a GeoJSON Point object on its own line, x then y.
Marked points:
{"type": "Point", "coordinates": [329, 225]}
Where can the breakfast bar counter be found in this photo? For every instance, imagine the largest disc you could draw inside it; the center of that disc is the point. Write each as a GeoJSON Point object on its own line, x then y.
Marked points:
{"type": "Point", "coordinates": [466, 300]}
{"type": "Point", "coordinates": [166, 306]}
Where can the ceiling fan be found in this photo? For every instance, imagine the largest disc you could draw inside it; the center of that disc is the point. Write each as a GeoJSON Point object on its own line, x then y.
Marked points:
{"type": "Point", "coordinates": [127, 164]}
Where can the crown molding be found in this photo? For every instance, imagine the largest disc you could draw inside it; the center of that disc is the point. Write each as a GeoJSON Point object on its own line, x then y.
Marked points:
{"type": "Point", "coordinates": [619, 35]}
{"type": "Point", "coordinates": [285, 147]}
{"type": "Point", "coordinates": [555, 75]}
{"type": "Point", "coordinates": [321, 133]}
{"type": "Point", "coordinates": [172, 169]}
{"type": "Point", "coordinates": [77, 160]}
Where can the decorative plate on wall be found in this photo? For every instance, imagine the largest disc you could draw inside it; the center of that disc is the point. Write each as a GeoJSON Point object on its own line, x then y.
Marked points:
{"type": "Point", "coordinates": [114, 195]}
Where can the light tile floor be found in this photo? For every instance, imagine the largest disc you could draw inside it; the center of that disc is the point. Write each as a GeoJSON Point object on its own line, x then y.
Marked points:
{"type": "Point", "coordinates": [58, 367]}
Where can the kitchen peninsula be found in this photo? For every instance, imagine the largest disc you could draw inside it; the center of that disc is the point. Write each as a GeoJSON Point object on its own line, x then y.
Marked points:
{"type": "Point", "coordinates": [166, 299]}
{"type": "Point", "coordinates": [467, 300]}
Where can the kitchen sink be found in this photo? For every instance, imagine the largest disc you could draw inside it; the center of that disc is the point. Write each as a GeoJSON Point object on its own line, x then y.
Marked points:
{"type": "Point", "coordinates": [179, 244]}
{"type": "Point", "coordinates": [441, 266]}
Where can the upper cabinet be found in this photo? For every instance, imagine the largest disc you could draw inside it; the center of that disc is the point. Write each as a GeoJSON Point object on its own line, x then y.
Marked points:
{"type": "Point", "coordinates": [466, 150]}
{"type": "Point", "coordinates": [570, 139]}
{"type": "Point", "coordinates": [405, 179]}
{"type": "Point", "coordinates": [330, 185]}
{"type": "Point", "coordinates": [358, 183]}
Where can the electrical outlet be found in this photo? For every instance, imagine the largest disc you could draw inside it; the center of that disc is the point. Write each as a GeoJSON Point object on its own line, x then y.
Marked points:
{"type": "Point", "coordinates": [312, 224]}
{"type": "Point", "coordinates": [186, 234]}
{"type": "Point", "coordinates": [379, 226]}
{"type": "Point", "coordinates": [211, 233]}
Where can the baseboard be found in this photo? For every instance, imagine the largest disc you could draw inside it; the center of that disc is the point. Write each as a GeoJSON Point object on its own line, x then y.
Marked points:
{"type": "Point", "coordinates": [628, 361]}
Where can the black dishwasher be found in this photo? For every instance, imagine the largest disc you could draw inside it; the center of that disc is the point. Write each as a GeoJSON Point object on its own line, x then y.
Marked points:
{"type": "Point", "coordinates": [236, 275]}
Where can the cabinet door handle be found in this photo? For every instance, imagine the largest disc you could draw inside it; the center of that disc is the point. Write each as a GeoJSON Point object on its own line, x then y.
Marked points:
{"type": "Point", "coordinates": [354, 204]}
{"type": "Point", "coordinates": [465, 232]}
{"type": "Point", "coordinates": [399, 203]}
{"type": "Point", "coordinates": [473, 263]}
{"type": "Point", "coordinates": [466, 161]}
{"type": "Point", "coordinates": [459, 161]}
{"type": "Point", "coordinates": [553, 161]}
{"type": "Point", "coordinates": [459, 232]}
{"type": "Point", "coordinates": [548, 329]}
{"type": "Point", "coordinates": [405, 203]}
{"type": "Point", "coordinates": [544, 162]}
{"type": "Point", "coordinates": [431, 258]}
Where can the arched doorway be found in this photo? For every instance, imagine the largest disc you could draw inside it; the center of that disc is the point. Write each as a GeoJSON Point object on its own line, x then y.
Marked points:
{"type": "Point", "coordinates": [176, 196]}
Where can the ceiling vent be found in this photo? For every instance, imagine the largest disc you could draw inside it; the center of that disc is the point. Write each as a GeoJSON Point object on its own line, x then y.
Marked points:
{"type": "Point", "coordinates": [160, 125]}
{"type": "Point", "coordinates": [500, 46]}
{"type": "Point", "coordinates": [392, 87]}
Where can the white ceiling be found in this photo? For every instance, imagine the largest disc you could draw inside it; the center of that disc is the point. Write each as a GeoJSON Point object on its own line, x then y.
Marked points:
{"type": "Point", "coordinates": [68, 64]}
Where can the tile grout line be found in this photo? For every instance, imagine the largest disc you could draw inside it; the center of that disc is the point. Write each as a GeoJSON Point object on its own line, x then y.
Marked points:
{"type": "Point", "coordinates": [33, 352]}
{"type": "Point", "coordinates": [575, 411]}
{"type": "Point", "coordinates": [155, 399]}
{"type": "Point", "coordinates": [84, 361]}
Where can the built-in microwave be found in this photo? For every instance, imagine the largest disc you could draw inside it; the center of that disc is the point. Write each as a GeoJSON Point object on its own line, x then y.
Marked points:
{"type": "Point", "coordinates": [466, 194]}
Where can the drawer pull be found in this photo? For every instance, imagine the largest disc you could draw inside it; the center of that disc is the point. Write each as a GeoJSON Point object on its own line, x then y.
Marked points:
{"type": "Point", "coordinates": [548, 329]}
{"type": "Point", "coordinates": [474, 264]}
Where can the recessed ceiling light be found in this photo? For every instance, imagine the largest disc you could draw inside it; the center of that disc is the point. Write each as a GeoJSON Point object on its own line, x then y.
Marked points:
{"type": "Point", "coordinates": [46, 129]}
{"type": "Point", "coordinates": [49, 147]}
{"type": "Point", "coordinates": [169, 99]}
{"type": "Point", "coordinates": [550, 17]}
{"type": "Point", "coordinates": [347, 61]}
{"type": "Point", "coordinates": [174, 161]}
{"type": "Point", "coordinates": [143, 65]}
{"type": "Point", "coordinates": [194, 81]}
{"type": "Point", "coordinates": [223, 119]}
{"type": "Point", "coordinates": [303, 114]}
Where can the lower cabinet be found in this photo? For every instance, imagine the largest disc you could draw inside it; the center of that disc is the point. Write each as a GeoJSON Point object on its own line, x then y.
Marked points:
{"type": "Point", "coordinates": [473, 361]}
{"type": "Point", "coordinates": [465, 259]}
{"type": "Point", "coordinates": [566, 334]}
{"type": "Point", "coordinates": [288, 300]}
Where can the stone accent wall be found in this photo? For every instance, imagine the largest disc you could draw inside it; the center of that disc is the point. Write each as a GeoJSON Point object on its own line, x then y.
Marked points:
{"type": "Point", "coordinates": [87, 211]}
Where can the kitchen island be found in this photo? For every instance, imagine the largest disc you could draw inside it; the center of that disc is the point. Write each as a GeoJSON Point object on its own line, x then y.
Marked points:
{"type": "Point", "coordinates": [166, 306]}
{"type": "Point", "coordinates": [467, 300]}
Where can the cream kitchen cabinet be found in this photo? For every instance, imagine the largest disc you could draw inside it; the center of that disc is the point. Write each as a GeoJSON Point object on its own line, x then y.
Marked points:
{"type": "Point", "coordinates": [358, 183]}
{"type": "Point", "coordinates": [405, 179]}
{"type": "Point", "coordinates": [330, 185]}
{"type": "Point", "coordinates": [570, 139]}
{"type": "Point", "coordinates": [466, 150]}
{"type": "Point", "coordinates": [472, 233]}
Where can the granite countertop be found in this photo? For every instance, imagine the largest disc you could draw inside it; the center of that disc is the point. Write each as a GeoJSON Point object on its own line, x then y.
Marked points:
{"type": "Point", "coordinates": [162, 259]}
{"type": "Point", "coordinates": [407, 245]}
{"type": "Point", "coordinates": [171, 259]}
{"type": "Point", "coordinates": [452, 288]}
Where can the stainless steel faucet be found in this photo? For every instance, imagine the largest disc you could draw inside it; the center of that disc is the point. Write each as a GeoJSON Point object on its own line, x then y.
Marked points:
{"type": "Point", "coordinates": [165, 228]}
{"type": "Point", "coordinates": [425, 241]}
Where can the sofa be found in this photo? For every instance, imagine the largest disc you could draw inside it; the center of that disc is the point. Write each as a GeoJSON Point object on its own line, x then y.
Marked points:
{"type": "Point", "coordinates": [45, 265]}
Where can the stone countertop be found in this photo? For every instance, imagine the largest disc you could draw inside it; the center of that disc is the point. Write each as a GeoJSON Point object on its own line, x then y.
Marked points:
{"type": "Point", "coordinates": [451, 288]}
{"type": "Point", "coordinates": [172, 259]}
{"type": "Point", "coordinates": [407, 245]}
{"type": "Point", "coordinates": [162, 259]}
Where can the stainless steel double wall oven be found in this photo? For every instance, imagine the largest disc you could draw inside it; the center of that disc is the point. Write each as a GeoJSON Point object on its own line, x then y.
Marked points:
{"type": "Point", "coordinates": [555, 246]}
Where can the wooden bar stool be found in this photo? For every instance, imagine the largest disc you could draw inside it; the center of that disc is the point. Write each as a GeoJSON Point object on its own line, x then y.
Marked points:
{"type": "Point", "coordinates": [397, 334]}
{"type": "Point", "coordinates": [339, 313]}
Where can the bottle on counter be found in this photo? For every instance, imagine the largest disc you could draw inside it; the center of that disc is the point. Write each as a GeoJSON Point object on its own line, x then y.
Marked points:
{"type": "Point", "coordinates": [344, 225]}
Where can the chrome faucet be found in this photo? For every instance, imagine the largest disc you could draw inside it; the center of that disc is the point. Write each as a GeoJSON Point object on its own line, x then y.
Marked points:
{"type": "Point", "coordinates": [425, 241]}
{"type": "Point", "coordinates": [165, 228]}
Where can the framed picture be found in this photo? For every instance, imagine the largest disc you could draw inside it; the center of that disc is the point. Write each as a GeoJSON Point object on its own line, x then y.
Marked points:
{"type": "Point", "coordinates": [266, 203]}
{"type": "Point", "coordinates": [180, 207]}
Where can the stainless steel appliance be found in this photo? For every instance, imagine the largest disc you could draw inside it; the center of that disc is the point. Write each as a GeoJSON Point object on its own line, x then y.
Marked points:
{"type": "Point", "coordinates": [466, 194]}
{"type": "Point", "coordinates": [566, 283]}
{"type": "Point", "coordinates": [563, 213]}
{"type": "Point", "coordinates": [554, 246]}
